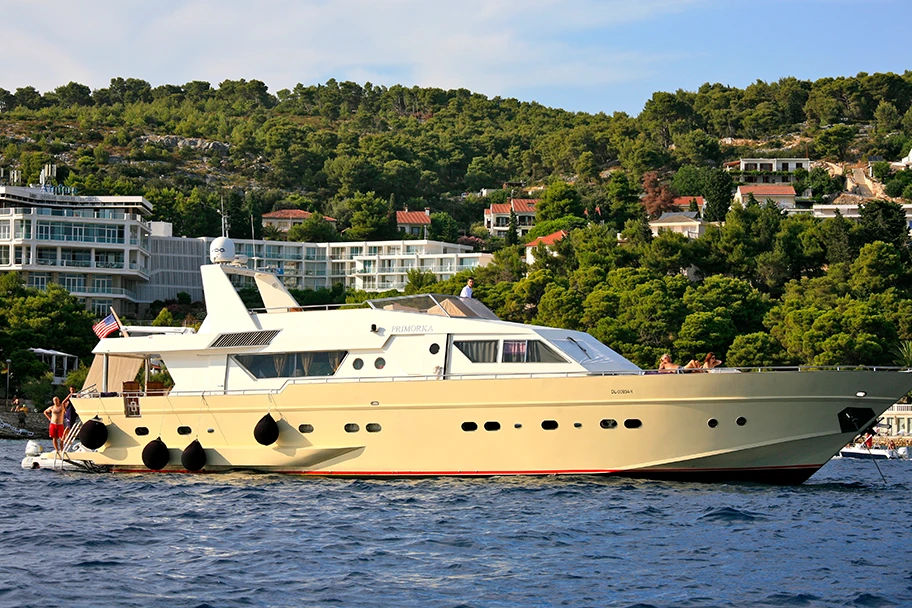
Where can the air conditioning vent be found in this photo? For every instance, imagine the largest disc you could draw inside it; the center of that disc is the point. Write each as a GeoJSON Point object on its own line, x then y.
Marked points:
{"type": "Point", "coordinates": [245, 338]}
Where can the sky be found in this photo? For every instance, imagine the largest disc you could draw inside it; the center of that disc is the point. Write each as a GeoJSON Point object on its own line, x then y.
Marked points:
{"type": "Point", "coordinates": [579, 55]}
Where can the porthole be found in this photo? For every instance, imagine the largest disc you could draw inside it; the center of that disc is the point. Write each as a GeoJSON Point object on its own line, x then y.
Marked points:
{"type": "Point", "coordinates": [380, 363]}
{"type": "Point", "coordinates": [741, 421]}
{"type": "Point", "coordinates": [142, 431]}
{"type": "Point", "coordinates": [351, 427]}
{"type": "Point", "coordinates": [469, 426]}
{"type": "Point", "coordinates": [549, 425]}
{"type": "Point", "coordinates": [608, 423]}
{"type": "Point", "coordinates": [492, 425]}
{"type": "Point", "coordinates": [373, 427]}
{"type": "Point", "coordinates": [435, 348]}
{"type": "Point", "coordinates": [713, 423]}
{"type": "Point", "coordinates": [357, 363]}
{"type": "Point", "coordinates": [184, 430]}
{"type": "Point", "coordinates": [517, 426]}
{"type": "Point", "coordinates": [632, 423]}
{"type": "Point", "coordinates": [306, 428]}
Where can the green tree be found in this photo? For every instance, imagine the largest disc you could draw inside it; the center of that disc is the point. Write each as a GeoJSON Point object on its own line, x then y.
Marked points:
{"type": "Point", "coordinates": [887, 117]}
{"type": "Point", "coordinates": [884, 221]}
{"type": "Point", "coordinates": [443, 227]}
{"type": "Point", "coordinates": [419, 281]}
{"type": "Point", "coordinates": [689, 181]}
{"type": "Point", "coordinates": [559, 200]}
{"type": "Point", "coordinates": [314, 229]}
{"type": "Point", "coordinates": [586, 167]}
{"type": "Point", "coordinates": [164, 319]}
{"type": "Point", "coordinates": [756, 349]}
{"type": "Point", "coordinates": [703, 332]}
{"type": "Point", "coordinates": [372, 218]}
{"type": "Point", "coordinates": [512, 236]}
{"type": "Point", "coordinates": [877, 268]}
{"type": "Point", "coordinates": [718, 194]}
{"type": "Point", "coordinates": [560, 306]}
{"type": "Point", "coordinates": [745, 305]}
{"type": "Point", "coordinates": [834, 142]}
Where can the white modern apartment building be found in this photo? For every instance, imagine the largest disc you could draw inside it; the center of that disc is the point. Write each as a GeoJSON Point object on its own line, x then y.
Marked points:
{"type": "Point", "coordinates": [365, 265]}
{"type": "Point", "coordinates": [97, 247]}
{"type": "Point", "coordinates": [105, 251]}
{"type": "Point", "coordinates": [851, 212]}
{"type": "Point", "coordinates": [768, 170]}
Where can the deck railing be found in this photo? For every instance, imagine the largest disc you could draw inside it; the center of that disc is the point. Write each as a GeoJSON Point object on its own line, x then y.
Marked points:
{"type": "Point", "coordinates": [513, 376]}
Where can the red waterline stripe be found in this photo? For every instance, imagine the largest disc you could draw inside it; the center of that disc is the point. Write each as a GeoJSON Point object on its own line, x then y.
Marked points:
{"type": "Point", "coordinates": [451, 473]}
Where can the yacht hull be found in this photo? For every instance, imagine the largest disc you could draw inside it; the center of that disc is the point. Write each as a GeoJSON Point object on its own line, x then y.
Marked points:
{"type": "Point", "coordinates": [772, 427]}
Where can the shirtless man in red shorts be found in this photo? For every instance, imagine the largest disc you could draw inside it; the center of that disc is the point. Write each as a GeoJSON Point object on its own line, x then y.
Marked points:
{"type": "Point", "coordinates": [54, 414]}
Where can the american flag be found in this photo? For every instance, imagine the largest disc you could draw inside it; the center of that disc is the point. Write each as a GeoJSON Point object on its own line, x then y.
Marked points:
{"type": "Point", "coordinates": [104, 327]}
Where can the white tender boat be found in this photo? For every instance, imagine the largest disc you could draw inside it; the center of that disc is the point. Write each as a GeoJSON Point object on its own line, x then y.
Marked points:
{"type": "Point", "coordinates": [438, 385]}
{"type": "Point", "coordinates": [873, 453]}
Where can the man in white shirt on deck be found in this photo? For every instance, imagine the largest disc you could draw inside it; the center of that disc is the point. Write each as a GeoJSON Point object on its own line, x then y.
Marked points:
{"type": "Point", "coordinates": [467, 290]}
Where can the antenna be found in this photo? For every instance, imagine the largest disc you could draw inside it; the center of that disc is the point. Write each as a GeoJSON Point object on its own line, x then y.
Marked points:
{"type": "Point", "coordinates": [224, 219]}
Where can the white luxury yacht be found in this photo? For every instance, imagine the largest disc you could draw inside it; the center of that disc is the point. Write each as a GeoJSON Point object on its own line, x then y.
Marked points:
{"type": "Point", "coordinates": [438, 385]}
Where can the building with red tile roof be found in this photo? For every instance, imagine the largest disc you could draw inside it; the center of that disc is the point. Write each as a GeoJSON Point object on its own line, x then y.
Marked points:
{"type": "Point", "coordinates": [497, 216]}
{"type": "Point", "coordinates": [781, 194]}
{"type": "Point", "coordinates": [414, 222]}
{"type": "Point", "coordinates": [683, 202]}
{"type": "Point", "coordinates": [546, 240]}
{"type": "Point", "coordinates": [283, 219]}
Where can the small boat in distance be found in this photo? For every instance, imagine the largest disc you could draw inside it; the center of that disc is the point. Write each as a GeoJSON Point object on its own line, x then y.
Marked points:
{"type": "Point", "coordinates": [435, 385]}
{"type": "Point", "coordinates": [873, 453]}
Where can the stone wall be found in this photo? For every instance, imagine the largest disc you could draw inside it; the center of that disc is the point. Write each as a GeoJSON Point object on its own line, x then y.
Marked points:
{"type": "Point", "coordinates": [34, 421]}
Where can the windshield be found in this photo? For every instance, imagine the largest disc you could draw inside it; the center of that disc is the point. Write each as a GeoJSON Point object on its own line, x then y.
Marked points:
{"type": "Point", "coordinates": [436, 304]}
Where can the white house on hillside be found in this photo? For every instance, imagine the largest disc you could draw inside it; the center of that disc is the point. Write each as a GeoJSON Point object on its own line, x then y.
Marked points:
{"type": "Point", "coordinates": [782, 195]}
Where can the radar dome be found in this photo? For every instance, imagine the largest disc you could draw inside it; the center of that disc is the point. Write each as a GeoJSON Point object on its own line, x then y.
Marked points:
{"type": "Point", "coordinates": [221, 251]}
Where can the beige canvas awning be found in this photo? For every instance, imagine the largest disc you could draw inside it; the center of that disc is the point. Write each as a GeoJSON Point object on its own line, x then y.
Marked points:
{"type": "Point", "coordinates": [120, 370]}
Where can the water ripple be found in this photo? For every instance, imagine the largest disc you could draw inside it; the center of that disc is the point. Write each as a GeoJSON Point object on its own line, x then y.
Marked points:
{"type": "Point", "coordinates": [250, 539]}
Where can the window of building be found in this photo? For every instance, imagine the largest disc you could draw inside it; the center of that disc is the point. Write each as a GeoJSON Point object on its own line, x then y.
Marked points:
{"type": "Point", "coordinates": [47, 257]}
{"type": "Point", "coordinates": [529, 351]}
{"type": "Point", "coordinates": [292, 365]}
{"type": "Point", "coordinates": [4, 230]}
{"type": "Point", "coordinates": [799, 165]}
{"type": "Point", "coordinates": [478, 351]}
{"type": "Point", "coordinates": [373, 250]}
{"type": "Point", "coordinates": [785, 166]}
{"type": "Point", "coordinates": [38, 280]}
{"type": "Point", "coordinates": [4, 255]}
{"type": "Point", "coordinates": [102, 308]}
{"type": "Point", "coordinates": [74, 282]}
{"type": "Point", "coordinates": [23, 229]}
{"type": "Point", "coordinates": [102, 283]}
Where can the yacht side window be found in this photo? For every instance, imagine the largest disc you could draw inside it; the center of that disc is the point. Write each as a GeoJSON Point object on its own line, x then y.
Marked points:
{"type": "Point", "coordinates": [292, 365]}
{"type": "Point", "coordinates": [478, 351]}
{"type": "Point", "coordinates": [529, 351]}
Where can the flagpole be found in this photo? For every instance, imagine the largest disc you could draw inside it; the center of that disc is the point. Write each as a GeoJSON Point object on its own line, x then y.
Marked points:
{"type": "Point", "coordinates": [120, 326]}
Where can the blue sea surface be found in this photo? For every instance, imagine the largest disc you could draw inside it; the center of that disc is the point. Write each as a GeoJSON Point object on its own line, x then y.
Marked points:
{"type": "Point", "coordinates": [78, 539]}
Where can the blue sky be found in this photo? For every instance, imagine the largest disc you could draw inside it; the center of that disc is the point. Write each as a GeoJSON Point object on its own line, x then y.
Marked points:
{"type": "Point", "coordinates": [580, 55]}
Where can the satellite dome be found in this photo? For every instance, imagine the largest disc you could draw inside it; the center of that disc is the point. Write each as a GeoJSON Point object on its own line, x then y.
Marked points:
{"type": "Point", "coordinates": [221, 251]}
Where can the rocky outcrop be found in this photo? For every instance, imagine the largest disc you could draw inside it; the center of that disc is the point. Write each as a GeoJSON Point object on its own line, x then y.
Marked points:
{"type": "Point", "coordinates": [174, 141]}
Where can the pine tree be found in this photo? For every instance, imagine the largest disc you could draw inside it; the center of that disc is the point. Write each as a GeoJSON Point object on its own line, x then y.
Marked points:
{"type": "Point", "coordinates": [718, 195]}
{"type": "Point", "coordinates": [512, 237]}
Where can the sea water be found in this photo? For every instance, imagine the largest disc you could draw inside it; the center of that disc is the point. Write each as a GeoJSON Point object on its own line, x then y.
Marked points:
{"type": "Point", "coordinates": [78, 539]}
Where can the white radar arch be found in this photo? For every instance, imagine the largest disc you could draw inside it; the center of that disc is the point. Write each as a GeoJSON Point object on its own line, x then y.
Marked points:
{"type": "Point", "coordinates": [221, 251]}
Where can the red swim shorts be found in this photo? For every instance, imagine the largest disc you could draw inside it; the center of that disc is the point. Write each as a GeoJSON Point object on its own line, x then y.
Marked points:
{"type": "Point", "coordinates": [56, 431]}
